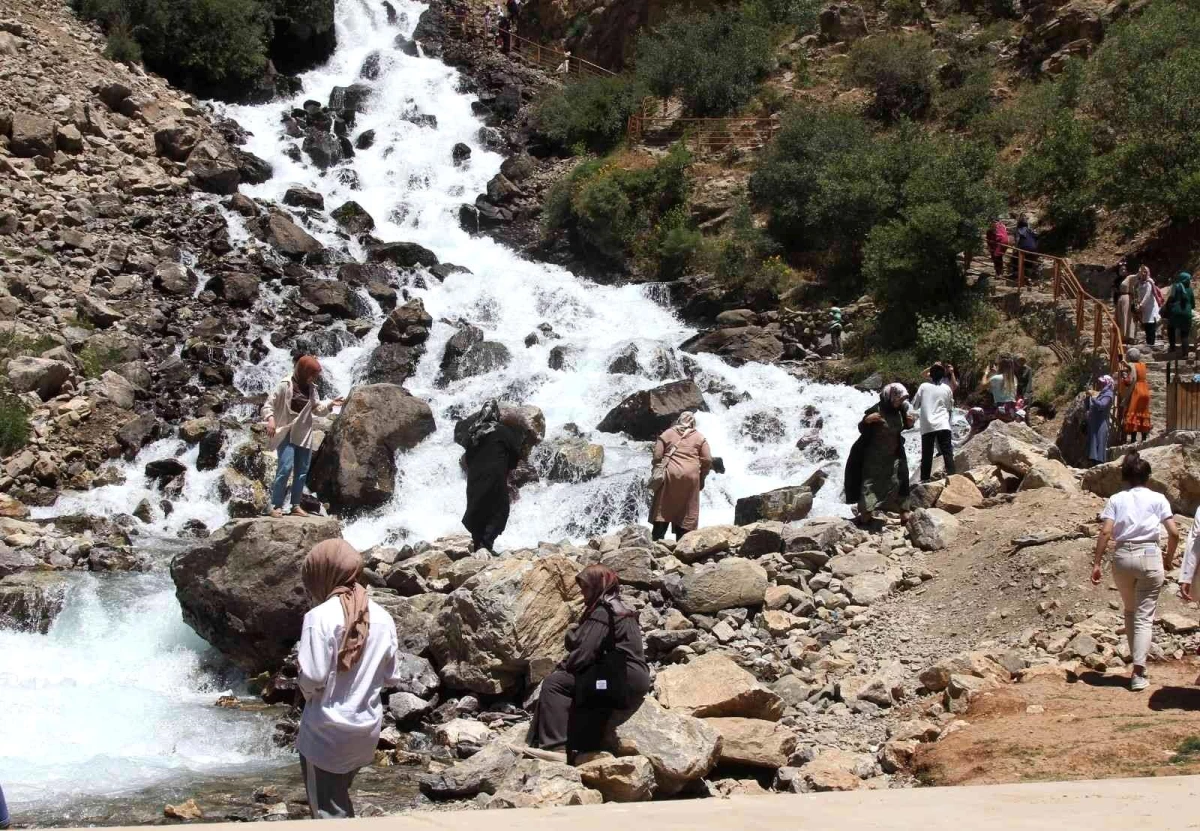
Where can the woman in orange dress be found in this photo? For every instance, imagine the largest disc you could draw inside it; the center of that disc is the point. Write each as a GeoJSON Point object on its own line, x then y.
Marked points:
{"type": "Point", "coordinates": [1136, 391]}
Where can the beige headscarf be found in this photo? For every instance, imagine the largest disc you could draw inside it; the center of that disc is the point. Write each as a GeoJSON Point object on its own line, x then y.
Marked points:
{"type": "Point", "coordinates": [685, 424]}
{"type": "Point", "coordinates": [332, 569]}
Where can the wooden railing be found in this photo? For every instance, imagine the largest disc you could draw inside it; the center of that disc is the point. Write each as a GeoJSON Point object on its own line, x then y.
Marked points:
{"type": "Point", "coordinates": [467, 24]}
{"type": "Point", "coordinates": [1090, 312]}
{"type": "Point", "coordinates": [657, 120]}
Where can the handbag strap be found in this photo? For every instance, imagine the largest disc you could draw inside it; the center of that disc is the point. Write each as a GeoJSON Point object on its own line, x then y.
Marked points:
{"type": "Point", "coordinates": [609, 644]}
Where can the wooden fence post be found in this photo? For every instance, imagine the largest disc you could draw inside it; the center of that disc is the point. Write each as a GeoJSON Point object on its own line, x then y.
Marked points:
{"type": "Point", "coordinates": [1057, 279]}
{"type": "Point", "coordinates": [1097, 330]}
{"type": "Point", "coordinates": [1079, 315]}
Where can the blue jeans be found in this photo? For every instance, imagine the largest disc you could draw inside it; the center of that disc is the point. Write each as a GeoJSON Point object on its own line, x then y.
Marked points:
{"type": "Point", "coordinates": [291, 458]}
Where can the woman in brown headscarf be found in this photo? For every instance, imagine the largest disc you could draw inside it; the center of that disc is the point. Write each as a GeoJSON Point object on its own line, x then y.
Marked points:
{"type": "Point", "coordinates": [688, 461]}
{"type": "Point", "coordinates": [606, 626]}
{"type": "Point", "coordinates": [347, 656]}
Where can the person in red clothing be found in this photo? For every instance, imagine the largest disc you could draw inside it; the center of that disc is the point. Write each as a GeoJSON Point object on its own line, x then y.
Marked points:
{"type": "Point", "coordinates": [997, 240]}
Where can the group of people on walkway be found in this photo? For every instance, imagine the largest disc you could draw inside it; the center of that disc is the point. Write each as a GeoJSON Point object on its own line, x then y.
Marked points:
{"type": "Point", "coordinates": [1139, 302]}
{"type": "Point", "coordinates": [1129, 392]}
{"type": "Point", "coordinates": [999, 242]}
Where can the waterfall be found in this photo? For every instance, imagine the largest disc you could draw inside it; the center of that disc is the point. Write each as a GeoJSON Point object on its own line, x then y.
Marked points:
{"type": "Point", "coordinates": [117, 696]}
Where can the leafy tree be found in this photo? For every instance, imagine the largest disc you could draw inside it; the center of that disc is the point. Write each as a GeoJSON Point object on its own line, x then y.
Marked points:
{"type": "Point", "coordinates": [591, 111]}
{"type": "Point", "coordinates": [899, 69]}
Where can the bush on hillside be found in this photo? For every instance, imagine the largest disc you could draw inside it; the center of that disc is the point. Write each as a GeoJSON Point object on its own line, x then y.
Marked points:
{"type": "Point", "coordinates": [899, 70]}
{"type": "Point", "coordinates": [14, 424]}
{"type": "Point", "coordinates": [206, 45]}
{"type": "Point", "coordinates": [945, 339]}
{"type": "Point", "coordinates": [968, 97]}
{"type": "Point", "coordinates": [590, 111]}
{"type": "Point", "coordinates": [713, 62]}
{"type": "Point", "coordinates": [611, 212]}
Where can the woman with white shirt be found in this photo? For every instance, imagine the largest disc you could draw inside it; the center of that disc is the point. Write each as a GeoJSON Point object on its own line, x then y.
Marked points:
{"type": "Point", "coordinates": [935, 402]}
{"type": "Point", "coordinates": [1148, 305]}
{"type": "Point", "coordinates": [1132, 518]}
{"type": "Point", "coordinates": [347, 656]}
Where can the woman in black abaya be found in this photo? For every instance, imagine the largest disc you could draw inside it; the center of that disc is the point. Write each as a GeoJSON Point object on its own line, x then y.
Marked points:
{"type": "Point", "coordinates": [493, 450]}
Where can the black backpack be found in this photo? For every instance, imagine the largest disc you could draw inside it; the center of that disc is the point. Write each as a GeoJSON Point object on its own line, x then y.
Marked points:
{"type": "Point", "coordinates": [604, 685]}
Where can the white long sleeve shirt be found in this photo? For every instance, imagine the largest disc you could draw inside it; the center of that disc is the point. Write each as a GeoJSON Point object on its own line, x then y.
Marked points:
{"type": "Point", "coordinates": [343, 711]}
{"type": "Point", "coordinates": [1146, 302]}
{"type": "Point", "coordinates": [1191, 554]}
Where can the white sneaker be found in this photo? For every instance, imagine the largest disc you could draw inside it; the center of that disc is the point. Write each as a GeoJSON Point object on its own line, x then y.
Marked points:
{"type": "Point", "coordinates": [1137, 683]}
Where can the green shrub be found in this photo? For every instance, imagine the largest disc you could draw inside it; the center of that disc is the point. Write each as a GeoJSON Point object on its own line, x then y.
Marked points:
{"type": "Point", "coordinates": [611, 212]}
{"type": "Point", "coordinates": [713, 62]}
{"type": "Point", "coordinates": [96, 361]}
{"type": "Point", "coordinates": [18, 346]}
{"type": "Point", "coordinates": [945, 339]}
{"type": "Point", "coordinates": [121, 45]}
{"type": "Point", "coordinates": [969, 99]}
{"type": "Point", "coordinates": [677, 242]}
{"type": "Point", "coordinates": [590, 111]}
{"type": "Point", "coordinates": [14, 425]}
{"type": "Point", "coordinates": [899, 70]}
{"type": "Point", "coordinates": [900, 12]}
{"type": "Point", "coordinates": [800, 14]}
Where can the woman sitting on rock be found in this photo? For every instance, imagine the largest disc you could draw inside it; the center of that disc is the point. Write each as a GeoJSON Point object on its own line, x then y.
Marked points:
{"type": "Point", "coordinates": [877, 467]}
{"type": "Point", "coordinates": [604, 670]}
{"type": "Point", "coordinates": [347, 655]}
{"type": "Point", "coordinates": [688, 461]}
{"type": "Point", "coordinates": [1132, 518]}
{"type": "Point", "coordinates": [495, 446]}
{"type": "Point", "coordinates": [289, 413]}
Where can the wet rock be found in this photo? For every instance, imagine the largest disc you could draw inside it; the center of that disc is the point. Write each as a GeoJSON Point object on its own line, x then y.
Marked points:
{"type": "Point", "coordinates": [679, 747]}
{"type": "Point", "coordinates": [13, 562]}
{"type": "Point", "coordinates": [1072, 440]}
{"type": "Point", "coordinates": [353, 219]}
{"type": "Point", "coordinates": [323, 148]}
{"type": "Point", "coordinates": [213, 168]}
{"type": "Point", "coordinates": [365, 140]}
{"type": "Point", "coordinates": [40, 375]}
{"type": "Point", "coordinates": [301, 197]}
{"type": "Point", "coordinates": [353, 98]}
{"type": "Point", "coordinates": [335, 298]}
{"type": "Point", "coordinates": [408, 324]}
{"type": "Point", "coordinates": [241, 591]}
{"type": "Point", "coordinates": [510, 615]}
{"type": "Point", "coordinates": [393, 363]}
{"type": "Point", "coordinates": [355, 467]}
{"type": "Point", "coordinates": [729, 584]}
{"type": "Point", "coordinates": [29, 602]}
{"type": "Point", "coordinates": [646, 414]}
{"type": "Point", "coordinates": [781, 505]}
{"type": "Point", "coordinates": [402, 255]}
{"type": "Point", "coordinates": [570, 459]}
{"type": "Point", "coordinates": [468, 354]}
{"type": "Point", "coordinates": [238, 289]}
{"type": "Point", "coordinates": [713, 686]}
{"type": "Point", "coordinates": [245, 497]}
{"type": "Point", "coordinates": [290, 239]}
{"type": "Point", "coordinates": [460, 153]}
{"type": "Point", "coordinates": [738, 345]}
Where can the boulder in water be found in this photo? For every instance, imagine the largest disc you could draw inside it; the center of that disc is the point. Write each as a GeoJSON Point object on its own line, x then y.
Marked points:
{"type": "Point", "coordinates": [408, 324]}
{"type": "Point", "coordinates": [508, 617]}
{"type": "Point", "coordinates": [468, 354]}
{"type": "Point", "coordinates": [352, 98]}
{"type": "Point", "coordinates": [571, 459]}
{"type": "Point", "coordinates": [241, 591]}
{"type": "Point", "coordinates": [29, 602]}
{"type": "Point", "coordinates": [213, 168]}
{"type": "Point", "coordinates": [402, 255]}
{"type": "Point", "coordinates": [324, 148]}
{"type": "Point", "coordinates": [646, 414]}
{"type": "Point", "coordinates": [353, 219]}
{"type": "Point", "coordinates": [332, 297]}
{"type": "Point", "coordinates": [460, 153]}
{"type": "Point", "coordinates": [739, 344]}
{"type": "Point", "coordinates": [355, 467]}
{"type": "Point", "coordinates": [290, 239]}
{"type": "Point", "coordinates": [393, 363]}
{"type": "Point", "coordinates": [302, 197]}
{"type": "Point", "coordinates": [782, 504]}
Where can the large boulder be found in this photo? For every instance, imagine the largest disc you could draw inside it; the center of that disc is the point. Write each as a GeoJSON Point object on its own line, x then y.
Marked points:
{"type": "Point", "coordinates": [781, 505]}
{"type": "Point", "coordinates": [535, 783]}
{"type": "Point", "coordinates": [31, 135]}
{"type": "Point", "coordinates": [355, 467]}
{"type": "Point", "coordinates": [1072, 441]}
{"type": "Point", "coordinates": [976, 451]}
{"type": "Point", "coordinates": [393, 363]}
{"type": "Point", "coordinates": [507, 619]}
{"type": "Point", "coordinates": [408, 324]}
{"type": "Point", "coordinates": [482, 773]}
{"type": "Point", "coordinates": [40, 375]}
{"type": "Point", "coordinates": [290, 239]}
{"type": "Point", "coordinates": [739, 344]}
{"type": "Point", "coordinates": [174, 278]}
{"type": "Point", "coordinates": [709, 541]}
{"type": "Point", "coordinates": [240, 588]}
{"type": "Point", "coordinates": [680, 748]}
{"type": "Point", "coordinates": [1174, 472]}
{"type": "Point", "coordinates": [753, 742]}
{"type": "Point", "coordinates": [402, 255]}
{"type": "Point", "coordinates": [620, 778]}
{"type": "Point", "coordinates": [646, 414]}
{"type": "Point", "coordinates": [959, 494]}
{"type": "Point", "coordinates": [213, 168]}
{"type": "Point", "coordinates": [570, 459]}
{"type": "Point", "coordinates": [414, 617]}
{"type": "Point", "coordinates": [728, 584]}
{"type": "Point", "coordinates": [29, 602]}
{"type": "Point", "coordinates": [353, 219]}
{"type": "Point", "coordinates": [333, 297]}
{"type": "Point", "coordinates": [468, 354]}
{"type": "Point", "coordinates": [712, 686]}
{"type": "Point", "coordinates": [932, 529]}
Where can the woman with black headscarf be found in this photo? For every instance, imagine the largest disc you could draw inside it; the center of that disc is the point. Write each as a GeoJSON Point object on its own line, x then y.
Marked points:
{"type": "Point", "coordinates": [877, 468]}
{"type": "Point", "coordinates": [494, 448]}
{"type": "Point", "coordinates": [607, 633]}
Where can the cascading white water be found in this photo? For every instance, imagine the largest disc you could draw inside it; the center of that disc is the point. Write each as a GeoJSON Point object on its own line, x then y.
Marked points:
{"type": "Point", "coordinates": [115, 697]}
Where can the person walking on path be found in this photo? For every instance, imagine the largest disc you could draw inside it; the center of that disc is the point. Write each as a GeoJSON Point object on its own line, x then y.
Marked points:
{"type": "Point", "coordinates": [289, 415]}
{"type": "Point", "coordinates": [1099, 407]}
{"type": "Point", "coordinates": [1127, 309]}
{"type": "Point", "coordinates": [997, 244]}
{"type": "Point", "coordinates": [347, 656]}
{"type": "Point", "coordinates": [684, 454]}
{"type": "Point", "coordinates": [877, 467]}
{"type": "Point", "coordinates": [495, 447]}
{"type": "Point", "coordinates": [1148, 305]}
{"type": "Point", "coordinates": [1180, 306]}
{"type": "Point", "coordinates": [1191, 559]}
{"type": "Point", "coordinates": [934, 402]}
{"type": "Point", "coordinates": [1135, 395]}
{"type": "Point", "coordinates": [1131, 518]}
{"type": "Point", "coordinates": [835, 331]}
{"type": "Point", "coordinates": [607, 640]}
{"type": "Point", "coordinates": [1027, 241]}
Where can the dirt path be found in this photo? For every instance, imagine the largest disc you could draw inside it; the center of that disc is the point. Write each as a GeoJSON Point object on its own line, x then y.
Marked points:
{"type": "Point", "coordinates": [1064, 725]}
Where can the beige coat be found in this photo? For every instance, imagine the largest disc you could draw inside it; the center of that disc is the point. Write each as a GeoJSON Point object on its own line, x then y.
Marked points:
{"type": "Point", "coordinates": [678, 501]}
{"type": "Point", "coordinates": [294, 427]}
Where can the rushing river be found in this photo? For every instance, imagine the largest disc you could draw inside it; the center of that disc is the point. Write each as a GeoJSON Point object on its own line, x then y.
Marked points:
{"type": "Point", "coordinates": [118, 696]}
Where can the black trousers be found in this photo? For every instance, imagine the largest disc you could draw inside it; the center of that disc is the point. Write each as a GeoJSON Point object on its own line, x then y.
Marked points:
{"type": "Point", "coordinates": [1178, 334]}
{"type": "Point", "coordinates": [559, 725]}
{"type": "Point", "coordinates": [1151, 330]}
{"type": "Point", "coordinates": [945, 444]}
{"type": "Point", "coordinates": [659, 530]}
{"type": "Point", "coordinates": [998, 264]}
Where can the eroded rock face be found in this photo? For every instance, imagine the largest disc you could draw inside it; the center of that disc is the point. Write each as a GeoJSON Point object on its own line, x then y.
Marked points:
{"type": "Point", "coordinates": [1174, 472]}
{"type": "Point", "coordinates": [679, 747]}
{"type": "Point", "coordinates": [646, 414]}
{"type": "Point", "coordinates": [355, 467]}
{"type": "Point", "coordinates": [510, 614]}
{"type": "Point", "coordinates": [240, 589]}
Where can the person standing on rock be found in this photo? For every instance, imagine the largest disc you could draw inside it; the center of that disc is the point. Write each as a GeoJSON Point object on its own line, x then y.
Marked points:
{"type": "Point", "coordinates": [494, 449]}
{"type": "Point", "coordinates": [997, 244]}
{"type": "Point", "coordinates": [289, 414]}
{"type": "Point", "coordinates": [1180, 306]}
{"type": "Point", "coordinates": [877, 467]}
{"type": "Point", "coordinates": [934, 402]}
{"type": "Point", "coordinates": [605, 653]}
{"type": "Point", "coordinates": [1024, 373]}
{"type": "Point", "coordinates": [1148, 305]}
{"type": "Point", "coordinates": [1126, 297]}
{"type": "Point", "coordinates": [684, 458]}
{"type": "Point", "coordinates": [1099, 408]}
{"type": "Point", "coordinates": [347, 655]}
{"type": "Point", "coordinates": [1131, 518]}
{"type": "Point", "coordinates": [1135, 395]}
{"type": "Point", "coordinates": [835, 331]}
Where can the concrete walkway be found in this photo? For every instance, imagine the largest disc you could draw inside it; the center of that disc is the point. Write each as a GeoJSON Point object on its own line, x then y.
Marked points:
{"type": "Point", "coordinates": [1116, 804]}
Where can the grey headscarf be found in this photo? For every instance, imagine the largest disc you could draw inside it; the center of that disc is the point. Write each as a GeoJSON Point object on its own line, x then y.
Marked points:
{"type": "Point", "coordinates": [1133, 355]}
{"type": "Point", "coordinates": [893, 395]}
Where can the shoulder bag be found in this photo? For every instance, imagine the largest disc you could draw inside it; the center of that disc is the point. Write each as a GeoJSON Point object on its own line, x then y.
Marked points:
{"type": "Point", "coordinates": [658, 474]}
{"type": "Point", "coordinates": [603, 685]}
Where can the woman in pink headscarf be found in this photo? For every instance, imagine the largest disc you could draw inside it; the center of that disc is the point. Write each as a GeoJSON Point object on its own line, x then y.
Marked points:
{"type": "Point", "coordinates": [347, 656]}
